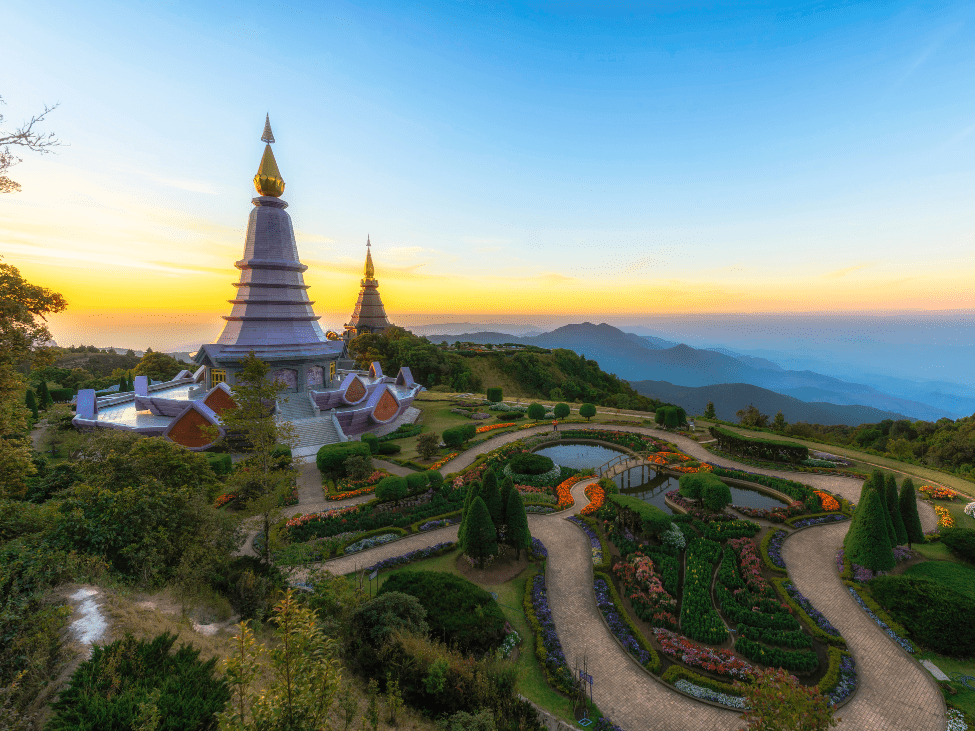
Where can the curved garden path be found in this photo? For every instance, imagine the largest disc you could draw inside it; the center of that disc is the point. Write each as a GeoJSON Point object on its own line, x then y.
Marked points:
{"type": "Point", "coordinates": [895, 693]}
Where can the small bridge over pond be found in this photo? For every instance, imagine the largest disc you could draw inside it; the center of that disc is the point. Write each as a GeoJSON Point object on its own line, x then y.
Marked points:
{"type": "Point", "coordinates": [626, 462]}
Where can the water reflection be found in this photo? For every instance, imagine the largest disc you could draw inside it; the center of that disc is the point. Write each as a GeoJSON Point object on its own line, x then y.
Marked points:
{"type": "Point", "coordinates": [579, 456]}
{"type": "Point", "coordinates": [651, 486]}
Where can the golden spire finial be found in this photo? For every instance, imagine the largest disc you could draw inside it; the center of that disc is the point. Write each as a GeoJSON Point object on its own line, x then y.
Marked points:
{"type": "Point", "coordinates": [268, 180]}
{"type": "Point", "coordinates": [370, 271]}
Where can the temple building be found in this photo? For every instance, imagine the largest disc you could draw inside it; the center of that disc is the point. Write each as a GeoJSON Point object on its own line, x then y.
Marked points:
{"type": "Point", "coordinates": [272, 317]}
{"type": "Point", "coordinates": [369, 315]}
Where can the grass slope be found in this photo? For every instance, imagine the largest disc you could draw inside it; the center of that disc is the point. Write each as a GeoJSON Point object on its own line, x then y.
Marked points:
{"type": "Point", "coordinates": [955, 576]}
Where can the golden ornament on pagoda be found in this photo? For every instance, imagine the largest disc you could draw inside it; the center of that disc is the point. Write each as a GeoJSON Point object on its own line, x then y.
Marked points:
{"type": "Point", "coordinates": [268, 180]}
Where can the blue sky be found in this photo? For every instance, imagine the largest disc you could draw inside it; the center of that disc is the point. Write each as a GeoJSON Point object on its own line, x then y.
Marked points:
{"type": "Point", "coordinates": [550, 159]}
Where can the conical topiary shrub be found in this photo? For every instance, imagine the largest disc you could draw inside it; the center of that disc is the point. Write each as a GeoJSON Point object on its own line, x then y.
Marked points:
{"type": "Point", "coordinates": [878, 484]}
{"type": "Point", "coordinates": [867, 542]}
{"type": "Point", "coordinates": [480, 536]}
{"type": "Point", "coordinates": [507, 485]}
{"type": "Point", "coordinates": [890, 485]}
{"type": "Point", "coordinates": [472, 492]}
{"type": "Point", "coordinates": [908, 508]}
{"type": "Point", "coordinates": [492, 497]}
{"type": "Point", "coordinates": [31, 404]}
{"type": "Point", "coordinates": [518, 535]}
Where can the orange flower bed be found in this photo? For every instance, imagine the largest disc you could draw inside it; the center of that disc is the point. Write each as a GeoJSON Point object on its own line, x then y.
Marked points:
{"type": "Point", "coordinates": [224, 499]}
{"type": "Point", "coordinates": [490, 427]}
{"type": "Point", "coordinates": [938, 492]}
{"type": "Point", "coordinates": [445, 460]}
{"type": "Point", "coordinates": [597, 496]}
{"type": "Point", "coordinates": [944, 517]}
{"type": "Point", "coordinates": [564, 490]}
{"type": "Point", "coordinates": [352, 493]}
{"type": "Point", "coordinates": [830, 504]}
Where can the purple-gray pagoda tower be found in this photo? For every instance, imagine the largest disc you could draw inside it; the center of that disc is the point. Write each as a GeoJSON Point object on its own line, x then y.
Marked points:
{"type": "Point", "coordinates": [272, 315]}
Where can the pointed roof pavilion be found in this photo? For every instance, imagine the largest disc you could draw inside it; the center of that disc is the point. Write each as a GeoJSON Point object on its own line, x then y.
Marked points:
{"type": "Point", "coordinates": [369, 314]}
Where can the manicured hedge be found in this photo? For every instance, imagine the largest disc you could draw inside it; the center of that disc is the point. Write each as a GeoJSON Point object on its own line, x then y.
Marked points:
{"type": "Point", "coordinates": [698, 618]}
{"type": "Point", "coordinates": [530, 464]}
{"type": "Point", "coordinates": [794, 639]}
{"type": "Point", "coordinates": [763, 449]}
{"type": "Point", "coordinates": [961, 541]}
{"type": "Point", "coordinates": [417, 481]}
{"type": "Point", "coordinates": [457, 435]}
{"type": "Point", "coordinates": [724, 530]}
{"type": "Point", "coordinates": [795, 490]}
{"type": "Point", "coordinates": [935, 615]}
{"type": "Point", "coordinates": [832, 675]}
{"type": "Point", "coordinates": [221, 464]}
{"type": "Point", "coordinates": [331, 457]}
{"type": "Point", "coordinates": [60, 395]}
{"type": "Point", "coordinates": [388, 448]}
{"type": "Point", "coordinates": [494, 395]}
{"type": "Point", "coordinates": [459, 612]}
{"type": "Point", "coordinates": [653, 520]}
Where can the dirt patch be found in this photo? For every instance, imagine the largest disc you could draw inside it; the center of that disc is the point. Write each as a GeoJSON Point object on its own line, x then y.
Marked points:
{"type": "Point", "coordinates": [504, 568]}
{"type": "Point", "coordinates": [90, 625]}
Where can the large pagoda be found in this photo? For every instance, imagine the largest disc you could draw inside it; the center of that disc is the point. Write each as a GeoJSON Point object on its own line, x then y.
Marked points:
{"type": "Point", "coordinates": [272, 315]}
{"type": "Point", "coordinates": [369, 315]}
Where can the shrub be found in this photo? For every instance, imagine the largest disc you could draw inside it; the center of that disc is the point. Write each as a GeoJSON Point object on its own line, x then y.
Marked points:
{"type": "Point", "coordinates": [416, 481]}
{"type": "Point", "coordinates": [494, 395]}
{"type": "Point", "coordinates": [251, 586]}
{"type": "Point", "coordinates": [372, 441]}
{"type": "Point", "coordinates": [358, 467]}
{"type": "Point", "coordinates": [388, 448]}
{"type": "Point", "coordinates": [935, 615]}
{"type": "Point", "coordinates": [587, 411]}
{"type": "Point", "coordinates": [31, 403]}
{"type": "Point", "coordinates": [125, 681]}
{"type": "Point", "coordinates": [561, 411]}
{"type": "Point", "coordinates": [378, 619]}
{"type": "Point", "coordinates": [524, 463]}
{"type": "Point", "coordinates": [459, 612]}
{"type": "Point", "coordinates": [640, 515]}
{"type": "Point", "coordinates": [331, 457]}
{"type": "Point", "coordinates": [281, 451]}
{"type": "Point", "coordinates": [221, 464]}
{"type": "Point", "coordinates": [961, 541]}
{"type": "Point", "coordinates": [908, 508]}
{"type": "Point", "coordinates": [435, 478]}
{"type": "Point", "coordinates": [536, 412]}
{"type": "Point", "coordinates": [867, 542]}
{"type": "Point", "coordinates": [427, 445]}
{"type": "Point", "coordinates": [455, 436]}
{"type": "Point", "coordinates": [761, 449]}
{"type": "Point", "coordinates": [393, 487]}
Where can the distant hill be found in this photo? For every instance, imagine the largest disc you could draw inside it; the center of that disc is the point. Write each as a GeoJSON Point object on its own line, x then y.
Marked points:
{"type": "Point", "coordinates": [728, 398]}
{"type": "Point", "coordinates": [637, 358]}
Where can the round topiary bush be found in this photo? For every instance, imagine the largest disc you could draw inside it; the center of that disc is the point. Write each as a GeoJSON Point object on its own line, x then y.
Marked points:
{"type": "Point", "coordinates": [106, 691]}
{"type": "Point", "coordinates": [530, 464]}
{"type": "Point", "coordinates": [459, 612]}
{"type": "Point", "coordinates": [417, 481]}
{"type": "Point", "coordinates": [388, 448]}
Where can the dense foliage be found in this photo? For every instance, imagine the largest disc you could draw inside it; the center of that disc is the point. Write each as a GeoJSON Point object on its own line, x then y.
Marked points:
{"type": "Point", "coordinates": [935, 615]}
{"type": "Point", "coordinates": [458, 612]}
{"type": "Point", "coordinates": [761, 449]}
{"type": "Point", "coordinates": [429, 364]}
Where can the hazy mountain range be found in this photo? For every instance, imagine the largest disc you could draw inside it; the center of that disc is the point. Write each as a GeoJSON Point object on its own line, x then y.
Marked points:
{"type": "Point", "coordinates": [651, 358]}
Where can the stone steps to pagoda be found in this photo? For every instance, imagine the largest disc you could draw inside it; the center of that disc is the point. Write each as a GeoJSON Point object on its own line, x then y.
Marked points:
{"type": "Point", "coordinates": [314, 432]}
{"type": "Point", "coordinates": [297, 406]}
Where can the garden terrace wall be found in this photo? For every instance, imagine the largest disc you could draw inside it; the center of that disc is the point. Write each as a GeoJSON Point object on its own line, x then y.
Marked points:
{"type": "Point", "coordinates": [755, 448]}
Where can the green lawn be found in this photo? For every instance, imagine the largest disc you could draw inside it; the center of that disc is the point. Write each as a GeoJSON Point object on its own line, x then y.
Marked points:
{"type": "Point", "coordinates": [531, 680]}
{"type": "Point", "coordinates": [965, 699]}
{"type": "Point", "coordinates": [959, 577]}
{"type": "Point", "coordinates": [933, 551]}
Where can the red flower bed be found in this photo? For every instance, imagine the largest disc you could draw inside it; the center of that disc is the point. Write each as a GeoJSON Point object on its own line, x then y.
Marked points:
{"type": "Point", "coordinates": [721, 662]}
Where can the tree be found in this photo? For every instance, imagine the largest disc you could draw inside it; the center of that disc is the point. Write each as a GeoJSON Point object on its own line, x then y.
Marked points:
{"type": "Point", "coordinates": [900, 531]}
{"type": "Point", "coordinates": [473, 490]}
{"type": "Point", "coordinates": [27, 138]}
{"type": "Point", "coordinates": [751, 417]}
{"type": "Point", "coordinates": [709, 412]}
{"type": "Point", "coordinates": [587, 411]}
{"type": "Point", "coordinates": [660, 415]}
{"type": "Point", "coordinates": [358, 467]}
{"type": "Point", "coordinates": [491, 496]}
{"type": "Point", "coordinates": [908, 510]}
{"type": "Point", "coordinates": [480, 535]}
{"type": "Point", "coordinates": [304, 670]}
{"type": "Point", "coordinates": [507, 485]}
{"type": "Point", "coordinates": [867, 542]}
{"type": "Point", "coordinates": [123, 384]}
{"type": "Point", "coordinates": [562, 411]}
{"type": "Point", "coordinates": [536, 412]}
{"type": "Point", "coordinates": [673, 417]}
{"type": "Point", "coordinates": [266, 475]}
{"type": "Point", "coordinates": [779, 424]}
{"type": "Point", "coordinates": [877, 483]}
{"type": "Point", "coordinates": [159, 366]}
{"type": "Point", "coordinates": [517, 534]}
{"type": "Point", "coordinates": [716, 496]}
{"type": "Point", "coordinates": [31, 404]}
{"type": "Point", "coordinates": [428, 446]}
{"type": "Point", "coordinates": [777, 702]}
{"type": "Point", "coordinates": [44, 396]}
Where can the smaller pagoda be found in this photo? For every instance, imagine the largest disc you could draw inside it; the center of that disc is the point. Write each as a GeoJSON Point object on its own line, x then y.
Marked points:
{"type": "Point", "coordinates": [369, 315]}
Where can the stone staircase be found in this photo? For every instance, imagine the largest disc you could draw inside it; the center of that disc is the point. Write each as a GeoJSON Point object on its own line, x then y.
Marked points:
{"type": "Point", "coordinates": [311, 431]}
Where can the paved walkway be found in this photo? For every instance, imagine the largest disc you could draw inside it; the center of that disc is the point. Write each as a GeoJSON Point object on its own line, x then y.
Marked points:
{"type": "Point", "coordinates": [894, 693]}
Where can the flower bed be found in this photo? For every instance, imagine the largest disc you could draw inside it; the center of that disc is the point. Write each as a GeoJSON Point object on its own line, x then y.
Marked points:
{"type": "Point", "coordinates": [970, 510]}
{"type": "Point", "coordinates": [706, 694]}
{"type": "Point", "coordinates": [818, 520]}
{"type": "Point", "coordinates": [367, 543]}
{"type": "Point", "coordinates": [442, 462]}
{"type": "Point", "coordinates": [631, 441]}
{"type": "Point", "coordinates": [539, 509]}
{"type": "Point", "coordinates": [733, 529]}
{"type": "Point", "coordinates": [749, 565]}
{"type": "Point", "coordinates": [621, 628]}
{"type": "Point", "coordinates": [511, 641]}
{"type": "Point", "coordinates": [492, 427]}
{"type": "Point", "coordinates": [348, 484]}
{"type": "Point", "coordinates": [564, 490]}
{"type": "Point", "coordinates": [597, 496]}
{"type": "Point", "coordinates": [828, 502]}
{"type": "Point", "coordinates": [442, 523]}
{"type": "Point", "coordinates": [944, 517]}
{"type": "Point", "coordinates": [720, 662]}
{"type": "Point", "coordinates": [547, 645]}
{"type": "Point", "coordinates": [538, 549]}
{"type": "Point", "coordinates": [368, 490]}
{"type": "Point", "coordinates": [936, 492]}
{"type": "Point", "coordinates": [846, 681]}
{"type": "Point", "coordinates": [907, 645]}
{"type": "Point", "coordinates": [773, 548]}
{"type": "Point", "coordinates": [698, 618]}
{"type": "Point", "coordinates": [642, 585]}
{"type": "Point", "coordinates": [418, 555]}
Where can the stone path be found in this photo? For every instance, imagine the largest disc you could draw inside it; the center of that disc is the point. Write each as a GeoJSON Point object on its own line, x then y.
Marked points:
{"type": "Point", "coordinates": [894, 694]}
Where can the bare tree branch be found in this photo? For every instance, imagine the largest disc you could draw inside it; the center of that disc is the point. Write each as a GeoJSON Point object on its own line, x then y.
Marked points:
{"type": "Point", "coordinates": [26, 137]}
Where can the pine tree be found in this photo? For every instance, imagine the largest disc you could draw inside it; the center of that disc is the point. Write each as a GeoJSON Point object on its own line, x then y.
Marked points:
{"type": "Point", "coordinates": [472, 492]}
{"type": "Point", "coordinates": [877, 483]}
{"type": "Point", "coordinates": [123, 384]}
{"type": "Point", "coordinates": [480, 536]}
{"type": "Point", "coordinates": [890, 483]}
{"type": "Point", "coordinates": [44, 399]}
{"type": "Point", "coordinates": [709, 412]}
{"type": "Point", "coordinates": [908, 510]}
{"type": "Point", "coordinates": [518, 534]}
{"type": "Point", "coordinates": [131, 383]}
{"type": "Point", "coordinates": [32, 404]}
{"type": "Point", "coordinates": [507, 485]}
{"type": "Point", "coordinates": [492, 497]}
{"type": "Point", "coordinates": [867, 542]}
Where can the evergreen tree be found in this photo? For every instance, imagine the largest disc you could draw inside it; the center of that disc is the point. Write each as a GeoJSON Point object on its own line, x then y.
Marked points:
{"type": "Point", "coordinates": [908, 510]}
{"type": "Point", "coordinates": [480, 536]}
{"type": "Point", "coordinates": [709, 412]}
{"type": "Point", "coordinates": [518, 534]}
{"type": "Point", "coordinates": [779, 424]}
{"type": "Point", "coordinates": [123, 384]}
{"type": "Point", "coordinates": [492, 497]}
{"type": "Point", "coordinates": [878, 484]}
{"type": "Point", "coordinates": [507, 485]}
{"type": "Point", "coordinates": [131, 383]}
{"type": "Point", "coordinates": [890, 483]}
{"type": "Point", "coordinates": [32, 404]}
{"type": "Point", "coordinates": [867, 542]}
{"type": "Point", "coordinates": [44, 399]}
{"type": "Point", "coordinates": [472, 492]}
